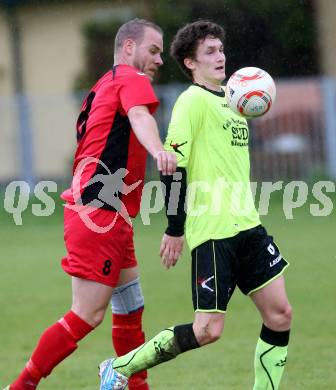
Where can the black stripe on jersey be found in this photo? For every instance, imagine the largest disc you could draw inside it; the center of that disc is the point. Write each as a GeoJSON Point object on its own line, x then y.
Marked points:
{"type": "Point", "coordinates": [114, 156]}
{"type": "Point", "coordinates": [84, 116]}
{"type": "Point", "coordinates": [114, 71]}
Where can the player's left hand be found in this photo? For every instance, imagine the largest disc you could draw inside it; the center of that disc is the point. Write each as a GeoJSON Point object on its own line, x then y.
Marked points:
{"type": "Point", "coordinates": [170, 250]}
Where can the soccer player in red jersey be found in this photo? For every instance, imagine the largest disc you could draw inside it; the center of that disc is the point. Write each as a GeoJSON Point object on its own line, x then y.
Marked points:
{"type": "Point", "coordinates": [115, 130]}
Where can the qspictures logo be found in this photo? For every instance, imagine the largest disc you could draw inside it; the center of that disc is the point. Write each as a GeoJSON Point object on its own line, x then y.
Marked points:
{"type": "Point", "coordinates": [318, 198]}
{"type": "Point", "coordinates": [112, 187]}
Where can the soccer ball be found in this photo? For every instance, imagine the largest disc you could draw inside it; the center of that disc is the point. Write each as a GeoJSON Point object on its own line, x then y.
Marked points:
{"type": "Point", "coordinates": [250, 92]}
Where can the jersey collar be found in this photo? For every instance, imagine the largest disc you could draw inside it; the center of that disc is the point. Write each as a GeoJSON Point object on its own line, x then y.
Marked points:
{"type": "Point", "coordinates": [217, 93]}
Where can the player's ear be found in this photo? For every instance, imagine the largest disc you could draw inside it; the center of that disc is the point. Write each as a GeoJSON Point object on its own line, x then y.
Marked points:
{"type": "Point", "coordinates": [129, 46]}
{"type": "Point", "coordinates": [189, 63]}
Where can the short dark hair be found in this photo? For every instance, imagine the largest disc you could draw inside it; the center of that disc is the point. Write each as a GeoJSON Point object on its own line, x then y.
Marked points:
{"type": "Point", "coordinates": [135, 30]}
{"type": "Point", "coordinates": [188, 37]}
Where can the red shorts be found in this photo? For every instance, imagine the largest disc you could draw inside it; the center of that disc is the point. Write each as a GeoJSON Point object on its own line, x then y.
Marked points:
{"type": "Point", "coordinates": [95, 255]}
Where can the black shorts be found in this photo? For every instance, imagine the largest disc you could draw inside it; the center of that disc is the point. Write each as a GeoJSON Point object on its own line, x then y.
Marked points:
{"type": "Point", "coordinates": [248, 260]}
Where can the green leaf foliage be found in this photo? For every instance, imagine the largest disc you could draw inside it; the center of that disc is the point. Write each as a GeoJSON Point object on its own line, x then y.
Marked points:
{"type": "Point", "coordinates": [279, 37]}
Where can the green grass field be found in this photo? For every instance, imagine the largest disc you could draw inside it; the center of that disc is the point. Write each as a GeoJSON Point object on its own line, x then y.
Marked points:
{"type": "Point", "coordinates": [35, 293]}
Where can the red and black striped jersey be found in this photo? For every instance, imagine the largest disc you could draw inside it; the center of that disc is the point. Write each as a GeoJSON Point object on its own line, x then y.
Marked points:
{"type": "Point", "coordinates": [109, 158]}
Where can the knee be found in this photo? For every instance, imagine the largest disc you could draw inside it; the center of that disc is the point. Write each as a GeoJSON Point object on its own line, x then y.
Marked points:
{"type": "Point", "coordinates": [209, 332]}
{"type": "Point", "coordinates": [287, 315]}
{"type": "Point", "coordinates": [281, 319]}
{"type": "Point", "coordinates": [97, 318]}
{"type": "Point", "coordinates": [214, 334]}
{"type": "Point", "coordinates": [93, 318]}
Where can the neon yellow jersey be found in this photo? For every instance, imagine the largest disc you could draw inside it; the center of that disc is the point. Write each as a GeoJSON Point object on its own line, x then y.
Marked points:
{"type": "Point", "coordinates": [211, 142]}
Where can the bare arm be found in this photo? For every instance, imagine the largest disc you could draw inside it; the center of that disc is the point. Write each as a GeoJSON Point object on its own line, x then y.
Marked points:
{"type": "Point", "coordinates": [145, 129]}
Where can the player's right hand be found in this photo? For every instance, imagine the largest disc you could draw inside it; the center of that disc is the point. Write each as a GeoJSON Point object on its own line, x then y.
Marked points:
{"type": "Point", "coordinates": [166, 162]}
{"type": "Point", "coordinates": [170, 250]}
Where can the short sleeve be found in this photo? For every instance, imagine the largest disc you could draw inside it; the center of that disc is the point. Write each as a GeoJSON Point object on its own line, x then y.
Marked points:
{"type": "Point", "coordinates": [136, 90]}
{"type": "Point", "coordinates": [185, 122]}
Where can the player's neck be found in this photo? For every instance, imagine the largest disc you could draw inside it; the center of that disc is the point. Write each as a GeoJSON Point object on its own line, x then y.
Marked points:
{"type": "Point", "coordinates": [213, 86]}
{"type": "Point", "coordinates": [122, 60]}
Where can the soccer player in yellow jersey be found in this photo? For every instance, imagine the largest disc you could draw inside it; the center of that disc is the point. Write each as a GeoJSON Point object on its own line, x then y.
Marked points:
{"type": "Point", "coordinates": [229, 246]}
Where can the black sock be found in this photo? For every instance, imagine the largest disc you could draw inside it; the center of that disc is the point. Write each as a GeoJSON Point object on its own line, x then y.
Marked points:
{"type": "Point", "coordinates": [280, 339]}
{"type": "Point", "coordinates": [185, 337]}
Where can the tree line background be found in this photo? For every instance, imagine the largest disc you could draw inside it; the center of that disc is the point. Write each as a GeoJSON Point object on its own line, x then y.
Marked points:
{"type": "Point", "coordinates": [279, 37]}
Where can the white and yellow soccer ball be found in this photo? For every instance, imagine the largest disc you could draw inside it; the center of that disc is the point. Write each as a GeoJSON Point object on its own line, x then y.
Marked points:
{"type": "Point", "coordinates": [250, 92]}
